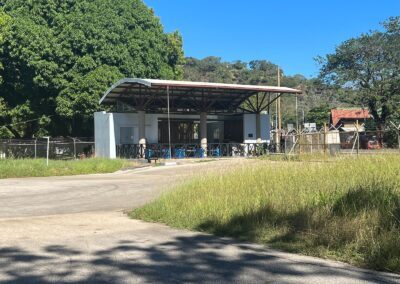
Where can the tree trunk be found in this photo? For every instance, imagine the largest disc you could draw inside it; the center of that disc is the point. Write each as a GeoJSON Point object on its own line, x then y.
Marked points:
{"type": "Point", "coordinates": [379, 132]}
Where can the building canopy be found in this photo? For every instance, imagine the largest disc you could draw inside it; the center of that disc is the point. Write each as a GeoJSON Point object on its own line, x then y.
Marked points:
{"type": "Point", "coordinates": [154, 95]}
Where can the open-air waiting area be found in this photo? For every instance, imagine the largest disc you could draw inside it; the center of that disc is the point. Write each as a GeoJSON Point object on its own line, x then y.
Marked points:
{"type": "Point", "coordinates": [178, 119]}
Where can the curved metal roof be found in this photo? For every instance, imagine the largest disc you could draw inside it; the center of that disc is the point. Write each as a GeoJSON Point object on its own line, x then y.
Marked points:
{"type": "Point", "coordinates": [151, 93]}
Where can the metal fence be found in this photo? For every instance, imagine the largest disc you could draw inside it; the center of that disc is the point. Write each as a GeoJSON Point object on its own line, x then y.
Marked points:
{"type": "Point", "coordinates": [330, 141]}
{"type": "Point", "coordinates": [334, 141]}
{"type": "Point", "coordinates": [180, 151]}
{"type": "Point", "coordinates": [59, 148]}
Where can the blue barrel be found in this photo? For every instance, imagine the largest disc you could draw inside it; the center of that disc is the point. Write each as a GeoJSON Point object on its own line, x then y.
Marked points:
{"type": "Point", "coordinates": [148, 154]}
{"type": "Point", "coordinates": [166, 154]}
{"type": "Point", "coordinates": [180, 153]}
{"type": "Point", "coordinates": [200, 153]}
{"type": "Point", "coordinates": [217, 152]}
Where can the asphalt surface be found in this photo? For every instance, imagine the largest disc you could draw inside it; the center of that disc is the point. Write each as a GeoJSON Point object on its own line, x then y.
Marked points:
{"type": "Point", "coordinates": [86, 193]}
{"type": "Point", "coordinates": [73, 230]}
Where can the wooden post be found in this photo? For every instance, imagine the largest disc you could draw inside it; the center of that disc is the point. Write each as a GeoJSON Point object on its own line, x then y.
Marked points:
{"type": "Point", "coordinates": [278, 114]}
{"type": "Point", "coordinates": [358, 138]}
{"type": "Point", "coordinates": [299, 139]}
{"type": "Point", "coordinates": [397, 127]}
{"type": "Point", "coordinates": [279, 109]}
{"type": "Point", "coordinates": [398, 139]}
{"type": "Point", "coordinates": [297, 116]}
{"type": "Point", "coordinates": [324, 139]}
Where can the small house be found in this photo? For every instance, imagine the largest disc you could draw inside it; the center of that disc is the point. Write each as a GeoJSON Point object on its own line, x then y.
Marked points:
{"type": "Point", "coordinates": [346, 119]}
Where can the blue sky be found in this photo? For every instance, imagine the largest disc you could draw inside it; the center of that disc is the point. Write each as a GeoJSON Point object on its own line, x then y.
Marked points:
{"type": "Point", "coordinates": [290, 33]}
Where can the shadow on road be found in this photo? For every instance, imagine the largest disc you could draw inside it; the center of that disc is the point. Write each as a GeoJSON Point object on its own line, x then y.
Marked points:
{"type": "Point", "coordinates": [198, 258]}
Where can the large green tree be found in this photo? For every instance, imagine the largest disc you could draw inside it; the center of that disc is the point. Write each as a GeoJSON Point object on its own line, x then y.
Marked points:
{"type": "Point", "coordinates": [368, 69]}
{"type": "Point", "coordinates": [57, 57]}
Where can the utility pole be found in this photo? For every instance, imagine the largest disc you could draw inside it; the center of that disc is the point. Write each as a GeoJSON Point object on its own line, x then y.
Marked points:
{"type": "Point", "coordinates": [279, 101]}
{"type": "Point", "coordinates": [278, 113]}
{"type": "Point", "coordinates": [297, 116]}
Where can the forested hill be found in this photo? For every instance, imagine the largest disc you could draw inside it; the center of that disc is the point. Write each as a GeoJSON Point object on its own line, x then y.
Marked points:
{"type": "Point", "coordinates": [256, 72]}
{"type": "Point", "coordinates": [314, 104]}
{"type": "Point", "coordinates": [57, 57]}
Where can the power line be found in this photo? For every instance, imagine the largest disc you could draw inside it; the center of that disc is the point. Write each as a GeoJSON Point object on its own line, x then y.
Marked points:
{"type": "Point", "coordinates": [22, 122]}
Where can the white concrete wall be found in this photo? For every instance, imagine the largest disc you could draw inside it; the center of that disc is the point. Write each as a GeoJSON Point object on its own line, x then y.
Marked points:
{"type": "Point", "coordinates": [108, 127]}
{"type": "Point", "coordinates": [249, 127]}
{"type": "Point", "coordinates": [131, 120]}
{"type": "Point", "coordinates": [104, 135]}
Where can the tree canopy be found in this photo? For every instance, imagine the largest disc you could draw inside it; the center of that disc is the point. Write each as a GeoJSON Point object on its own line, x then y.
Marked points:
{"type": "Point", "coordinates": [57, 57]}
{"type": "Point", "coordinates": [367, 68]}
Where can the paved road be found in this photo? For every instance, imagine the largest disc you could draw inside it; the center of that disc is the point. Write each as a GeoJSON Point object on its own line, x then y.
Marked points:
{"type": "Point", "coordinates": [107, 247]}
{"type": "Point", "coordinates": [42, 242]}
{"type": "Point", "coordinates": [123, 190]}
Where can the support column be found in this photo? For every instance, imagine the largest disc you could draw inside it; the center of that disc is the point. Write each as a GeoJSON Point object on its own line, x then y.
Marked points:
{"type": "Point", "coordinates": [258, 128]}
{"type": "Point", "coordinates": [142, 128]}
{"type": "Point", "coordinates": [203, 132]}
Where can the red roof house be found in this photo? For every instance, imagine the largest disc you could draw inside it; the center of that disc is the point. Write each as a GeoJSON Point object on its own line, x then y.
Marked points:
{"type": "Point", "coordinates": [347, 117]}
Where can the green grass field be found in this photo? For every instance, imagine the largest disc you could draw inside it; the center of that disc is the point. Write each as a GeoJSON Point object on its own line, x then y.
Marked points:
{"type": "Point", "coordinates": [345, 208]}
{"type": "Point", "coordinates": [10, 168]}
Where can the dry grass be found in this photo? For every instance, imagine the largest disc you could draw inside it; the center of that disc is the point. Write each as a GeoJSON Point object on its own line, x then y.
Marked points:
{"type": "Point", "coordinates": [346, 208]}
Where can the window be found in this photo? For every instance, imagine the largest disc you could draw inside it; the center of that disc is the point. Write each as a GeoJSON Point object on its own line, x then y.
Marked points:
{"type": "Point", "coordinates": [126, 135]}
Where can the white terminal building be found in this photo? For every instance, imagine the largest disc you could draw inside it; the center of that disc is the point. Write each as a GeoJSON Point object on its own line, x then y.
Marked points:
{"type": "Point", "coordinates": [178, 119]}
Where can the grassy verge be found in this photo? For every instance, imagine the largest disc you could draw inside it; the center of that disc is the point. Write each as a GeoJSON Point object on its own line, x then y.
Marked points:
{"type": "Point", "coordinates": [346, 209]}
{"type": "Point", "coordinates": [37, 168]}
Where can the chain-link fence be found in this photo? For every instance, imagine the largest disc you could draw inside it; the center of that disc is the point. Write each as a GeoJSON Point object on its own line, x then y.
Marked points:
{"type": "Point", "coordinates": [334, 141]}
{"type": "Point", "coordinates": [58, 148]}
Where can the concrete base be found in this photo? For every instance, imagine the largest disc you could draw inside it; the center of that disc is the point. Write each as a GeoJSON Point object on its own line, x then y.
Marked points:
{"type": "Point", "coordinates": [169, 163]}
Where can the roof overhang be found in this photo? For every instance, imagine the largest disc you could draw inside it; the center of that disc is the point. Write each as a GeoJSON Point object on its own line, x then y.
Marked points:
{"type": "Point", "coordinates": [152, 94]}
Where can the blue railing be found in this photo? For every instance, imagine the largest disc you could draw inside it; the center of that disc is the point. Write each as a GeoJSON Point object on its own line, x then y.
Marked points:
{"type": "Point", "coordinates": [181, 151]}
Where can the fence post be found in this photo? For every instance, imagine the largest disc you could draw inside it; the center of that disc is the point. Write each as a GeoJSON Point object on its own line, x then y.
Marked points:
{"type": "Point", "coordinates": [358, 138]}
{"type": "Point", "coordinates": [398, 139]}
{"type": "Point", "coordinates": [324, 139]}
{"type": "Point", "coordinates": [47, 152]}
{"type": "Point", "coordinates": [35, 148]}
{"type": "Point", "coordinates": [74, 148]}
{"type": "Point", "coordinates": [299, 139]}
{"type": "Point", "coordinates": [6, 149]}
{"type": "Point", "coordinates": [397, 128]}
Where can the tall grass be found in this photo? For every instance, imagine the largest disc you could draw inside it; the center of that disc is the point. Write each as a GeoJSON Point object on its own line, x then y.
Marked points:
{"type": "Point", "coordinates": [346, 209]}
{"type": "Point", "coordinates": [10, 168]}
